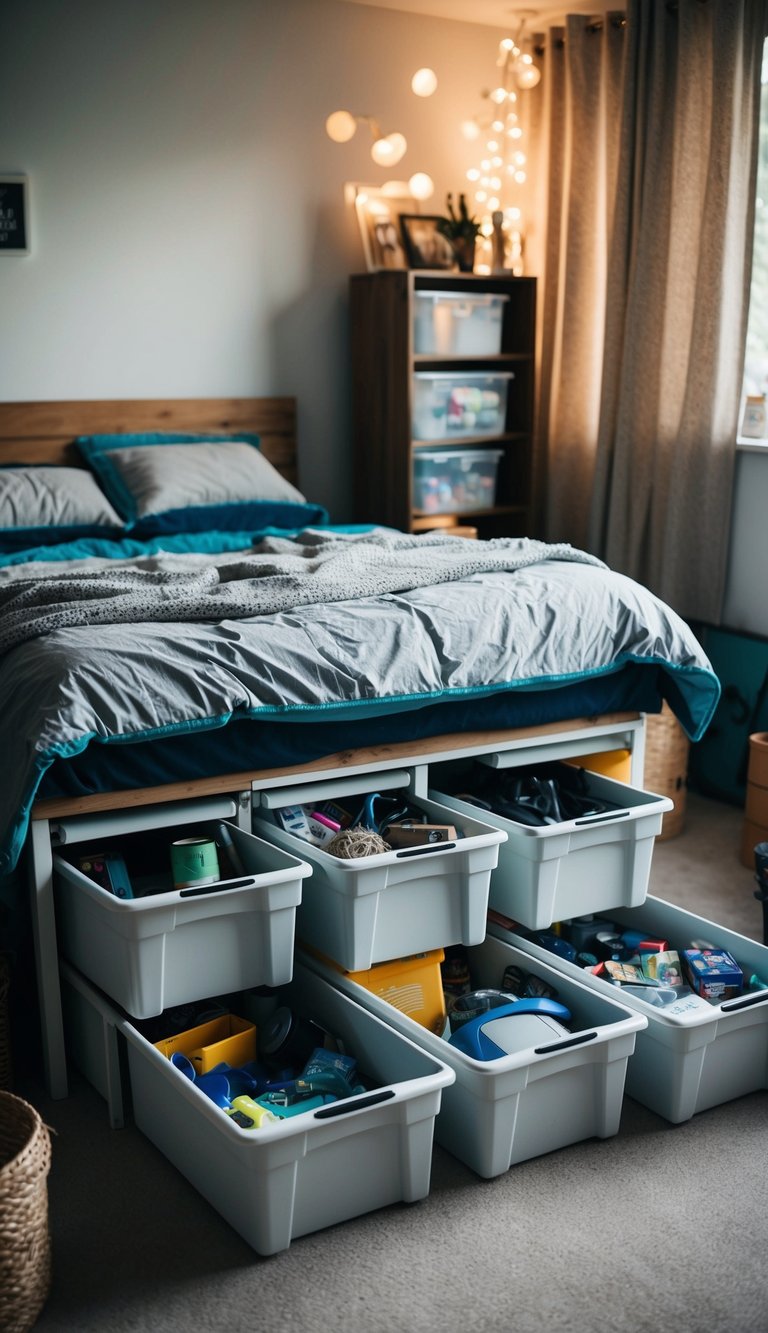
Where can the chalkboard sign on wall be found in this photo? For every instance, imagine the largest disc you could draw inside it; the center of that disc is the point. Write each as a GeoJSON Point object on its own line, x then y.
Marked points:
{"type": "Point", "coordinates": [14, 235]}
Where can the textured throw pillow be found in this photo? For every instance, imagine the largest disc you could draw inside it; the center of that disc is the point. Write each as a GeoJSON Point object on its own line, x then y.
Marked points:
{"type": "Point", "coordinates": [48, 504]}
{"type": "Point", "coordinates": [163, 484]}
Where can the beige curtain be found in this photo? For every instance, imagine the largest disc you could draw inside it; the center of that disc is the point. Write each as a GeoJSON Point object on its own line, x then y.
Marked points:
{"type": "Point", "coordinates": [649, 132]}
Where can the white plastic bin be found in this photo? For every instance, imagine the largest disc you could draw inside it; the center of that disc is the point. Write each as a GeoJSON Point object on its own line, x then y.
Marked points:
{"type": "Point", "coordinates": [313, 1170]}
{"type": "Point", "coordinates": [505, 1111]}
{"type": "Point", "coordinates": [699, 1058]}
{"type": "Point", "coordinates": [174, 947]}
{"type": "Point", "coordinates": [372, 909]}
{"type": "Point", "coordinates": [455, 480]}
{"type": "Point", "coordinates": [554, 871]}
{"type": "Point", "coordinates": [450, 405]}
{"type": "Point", "coordinates": [458, 323]}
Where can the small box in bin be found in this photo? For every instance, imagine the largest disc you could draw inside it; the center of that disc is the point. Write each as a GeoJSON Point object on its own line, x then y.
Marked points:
{"type": "Point", "coordinates": [456, 480]}
{"type": "Point", "coordinates": [226, 1039]}
{"type": "Point", "coordinates": [713, 974]}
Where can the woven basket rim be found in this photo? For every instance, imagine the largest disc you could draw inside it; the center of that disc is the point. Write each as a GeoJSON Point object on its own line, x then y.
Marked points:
{"type": "Point", "coordinates": [32, 1157]}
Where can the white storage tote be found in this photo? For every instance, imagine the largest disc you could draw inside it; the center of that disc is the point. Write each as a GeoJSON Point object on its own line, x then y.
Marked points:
{"type": "Point", "coordinates": [169, 948]}
{"type": "Point", "coordinates": [501, 1112]}
{"type": "Point", "coordinates": [458, 323]}
{"type": "Point", "coordinates": [312, 1170]}
{"type": "Point", "coordinates": [689, 1061]}
{"type": "Point", "coordinates": [372, 909]}
{"type": "Point", "coordinates": [590, 864]}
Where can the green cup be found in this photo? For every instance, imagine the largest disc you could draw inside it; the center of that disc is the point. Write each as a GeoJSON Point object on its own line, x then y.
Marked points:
{"type": "Point", "coordinates": [194, 861]}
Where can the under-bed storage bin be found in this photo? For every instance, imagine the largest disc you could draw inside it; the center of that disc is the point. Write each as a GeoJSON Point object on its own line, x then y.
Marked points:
{"type": "Point", "coordinates": [313, 1170]}
{"type": "Point", "coordinates": [450, 405]}
{"type": "Point", "coordinates": [688, 1062]}
{"type": "Point", "coordinates": [589, 864]}
{"type": "Point", "coordinates": [457, 323]}
{"type": "Point", "coordinates": [372, 909]}
{"type": "Point", "coordinates": [504, 1111]}
{"type": "Point", "coordinates": [180, 945]}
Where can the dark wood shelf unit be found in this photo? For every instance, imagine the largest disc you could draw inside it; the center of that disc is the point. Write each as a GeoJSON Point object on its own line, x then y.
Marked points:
{"type": "Point", "coordinates": [382, 312]}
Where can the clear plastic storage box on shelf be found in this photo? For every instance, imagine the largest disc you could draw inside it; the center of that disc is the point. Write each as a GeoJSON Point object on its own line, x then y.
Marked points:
{"type": "Point", "coordinates": [455, 480]}
{"type": "Point", "coordinates": [458, 323]}
{"type": "Point", "coordinates": [314, 1170]}
{"type": "Point", "coordinates": [535, 1100]}
{"type": "Point", "coordinates": [695, 1054]}
{"type": "Point", "coordinates": [450, 405]}
{"type": "Point", "coordinates": [171, 946]}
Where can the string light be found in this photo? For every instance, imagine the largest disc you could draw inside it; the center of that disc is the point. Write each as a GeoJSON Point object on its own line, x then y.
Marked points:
{"type": "Point", "coordinates": [503, 164]}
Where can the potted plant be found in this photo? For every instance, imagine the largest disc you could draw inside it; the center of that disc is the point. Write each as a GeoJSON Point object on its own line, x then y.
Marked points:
{"type": "Point", "coordinates": [461, 230]}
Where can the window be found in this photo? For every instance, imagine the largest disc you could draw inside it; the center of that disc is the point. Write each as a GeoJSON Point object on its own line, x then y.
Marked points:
{"type": "Point", "coordinates": [756, 359]}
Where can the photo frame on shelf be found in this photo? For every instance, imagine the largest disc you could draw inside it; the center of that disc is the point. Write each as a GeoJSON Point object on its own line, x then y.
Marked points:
{"type": "Point", "coordinates": [425, 246]}
{"type": "Point", "coordinates": [378, 211]}
{"type": "Point", "coordinates": [14, 215]}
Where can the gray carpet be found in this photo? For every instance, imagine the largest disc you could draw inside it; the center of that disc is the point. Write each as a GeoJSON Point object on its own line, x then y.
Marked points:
{"type": "Point", "coordinates": [660, 1226]}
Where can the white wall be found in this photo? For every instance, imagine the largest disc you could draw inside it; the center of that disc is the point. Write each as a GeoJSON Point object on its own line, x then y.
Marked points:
{"type": "Point", "coordinates": [188, 227]}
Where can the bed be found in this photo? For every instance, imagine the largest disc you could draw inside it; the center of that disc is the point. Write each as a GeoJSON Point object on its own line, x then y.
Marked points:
{"type": "Point", "coordinates": [202, 628]}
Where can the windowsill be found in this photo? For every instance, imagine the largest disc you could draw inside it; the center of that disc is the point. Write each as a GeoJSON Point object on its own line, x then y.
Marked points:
{"type": "Point", "coordinates": [749, 446]}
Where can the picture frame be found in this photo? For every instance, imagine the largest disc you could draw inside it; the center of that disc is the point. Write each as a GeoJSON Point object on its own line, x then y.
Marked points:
{"type": "Point", "coordinates": [425, 246]}
{"type": "Point", "coordinates": [378, 211]}
{"type": "Point", "coordinates": [14, 215]}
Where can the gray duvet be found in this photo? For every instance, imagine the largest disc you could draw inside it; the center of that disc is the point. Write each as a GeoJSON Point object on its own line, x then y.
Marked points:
{"type": "Point", "coordinates": [330, 626]}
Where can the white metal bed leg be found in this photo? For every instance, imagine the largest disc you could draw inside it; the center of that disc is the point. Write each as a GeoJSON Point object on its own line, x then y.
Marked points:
{"type": "Point", "coordinates": [40, 868]}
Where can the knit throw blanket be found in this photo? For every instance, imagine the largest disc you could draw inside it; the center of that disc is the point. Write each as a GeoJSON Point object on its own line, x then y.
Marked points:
{"type": "Point", "coordinates": [282, 573]}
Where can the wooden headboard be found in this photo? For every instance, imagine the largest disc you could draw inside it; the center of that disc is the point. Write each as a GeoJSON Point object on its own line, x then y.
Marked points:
{"type": "Point", "coordinates": [43, 432]}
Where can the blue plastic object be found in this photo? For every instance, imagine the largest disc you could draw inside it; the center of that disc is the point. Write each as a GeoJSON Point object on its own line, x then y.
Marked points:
{"type": "Point", "coordinates": [473, 1040]}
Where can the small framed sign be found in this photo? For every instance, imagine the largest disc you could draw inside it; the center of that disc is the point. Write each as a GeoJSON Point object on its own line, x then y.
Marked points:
{"type": "Point", "coordinates": [14, 222]}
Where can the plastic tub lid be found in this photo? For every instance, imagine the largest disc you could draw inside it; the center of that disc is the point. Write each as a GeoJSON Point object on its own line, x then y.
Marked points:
{"type": "Point", "coordinates": [462, 376]}
{"type": "Point", "coordinates": [467, 298]}
{"type": "Point", "coordinates": [448, 455]}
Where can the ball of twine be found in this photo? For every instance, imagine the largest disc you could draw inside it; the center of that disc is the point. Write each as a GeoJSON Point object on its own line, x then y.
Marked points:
{"type": "Point", "coordinates": [353, 842]}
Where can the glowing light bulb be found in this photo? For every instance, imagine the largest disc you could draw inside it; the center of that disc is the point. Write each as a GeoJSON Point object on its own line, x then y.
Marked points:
{"type": "Point", "coordinates": [340, 126]}
{"type": "Point", "coordinates": [497, 126]}
{"type": "Point", "coordinates": [495, 182]}
{"type": "Point", "coordinates": [506, 44]}
{"type": "Point", "coordinates": [498, 96]}
{"type": "Point", "coordinates": [520, 177]}
{"type": "Point", "coordinates": [388, 150]}
{"type": "Point", "coordinates": [519, 158]}
{"type": "Point", "coordinates": [480, 196]}
{"type": "Point", "coordinates": [515, 132]}
{"type": "Point", "coordinates": [470, 129]}
{"type": "Point", "coordinates": [493, 203]}
{"type": "Point", "coordinates": [492, 146]}
{"type": "Point", "coordinates": [485, 165]}
{"type": "Point", "coordinates": [473, 174]}
{"type": "Point", "coordinates": [527, 76]}
{"type": "Point", "coordinates": [496, 161]}
{"type": "Point", "coordinates": [421, 185]}
{"type": "Point", "coordinates": [424, 82]}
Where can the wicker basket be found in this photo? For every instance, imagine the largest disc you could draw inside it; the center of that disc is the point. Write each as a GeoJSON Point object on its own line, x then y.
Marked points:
{"type": "Point", "coordinates": [666, 766]}
{"type": "Point", "coordinates": [25, 1246]}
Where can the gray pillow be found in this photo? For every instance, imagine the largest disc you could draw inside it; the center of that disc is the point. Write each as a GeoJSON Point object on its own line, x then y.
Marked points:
{"type": "Point", "coordinates": [50, 504]}
{"type": "Point", "coordinates": [180, 476]}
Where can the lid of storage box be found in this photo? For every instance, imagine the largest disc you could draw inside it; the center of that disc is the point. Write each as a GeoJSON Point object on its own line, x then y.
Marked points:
{"type": "Point", "coordinates": [466, 298]}
{"type": "Point", "coordinates": [456, 455]}
{"type": "Point", "coordinates": [461, 376]}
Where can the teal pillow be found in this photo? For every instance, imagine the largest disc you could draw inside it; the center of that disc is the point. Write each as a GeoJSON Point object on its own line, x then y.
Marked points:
{"type": "Point", "coordinates": [164, 483]}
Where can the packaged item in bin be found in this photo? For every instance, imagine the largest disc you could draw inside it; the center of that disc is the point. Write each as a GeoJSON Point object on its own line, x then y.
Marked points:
{"type": "Point", "coordinates": [713, 973]}
{"type": "Point", "coordinates": [664, 967]}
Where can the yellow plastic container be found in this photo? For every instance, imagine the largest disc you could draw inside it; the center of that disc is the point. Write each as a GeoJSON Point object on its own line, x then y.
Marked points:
{"type": "Point", "coordinates": [615, 764]}
{"type": "Point", "coordinates": [228, 1039]}
{"type": "Point", "coordinates": [413, 985]}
